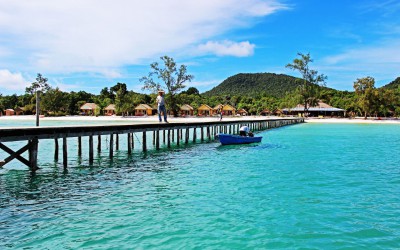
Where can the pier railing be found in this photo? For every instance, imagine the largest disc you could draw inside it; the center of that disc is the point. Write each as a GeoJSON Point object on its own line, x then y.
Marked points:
{"type": "Point", "coordinates": [169, 131]}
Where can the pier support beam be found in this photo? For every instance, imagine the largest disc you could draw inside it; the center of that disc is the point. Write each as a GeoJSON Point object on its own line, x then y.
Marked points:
{"type": "Point", "coordinates": [65, 152]}
{"type": "Point", "coordinates": [111, 146]}
{"type": "Point", "coordinates": [90, 149]}
{"type": "Point", "coordinates": [56, 149]}
{"type": "Point", "coordinates": [144, 142]}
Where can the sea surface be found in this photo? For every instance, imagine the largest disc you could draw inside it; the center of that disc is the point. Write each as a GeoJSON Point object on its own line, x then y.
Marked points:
{"type": "Point", "coordinates": [306, 186]}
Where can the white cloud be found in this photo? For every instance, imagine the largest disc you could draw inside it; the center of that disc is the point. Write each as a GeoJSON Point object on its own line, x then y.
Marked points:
{"type": "Point", "coordinates": [228, 48]}
{"type": "Point", "coordinates": [12, 81]}
{"type": "Point", "coordinates": [381, 61]}
{"type": "Point", "coordinates": [69, 36]}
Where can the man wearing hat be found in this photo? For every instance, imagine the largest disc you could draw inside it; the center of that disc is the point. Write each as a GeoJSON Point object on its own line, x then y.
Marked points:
{"type": "Point", "coordinates": [161, 106]}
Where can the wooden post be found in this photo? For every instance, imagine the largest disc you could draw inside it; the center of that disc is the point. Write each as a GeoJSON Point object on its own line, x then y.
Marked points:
{"type": "Point", "coordinates": [154, 137]}
{"type": "Point", "coordinates": [90, 149]}
{"type": "Point", "coordinates": [79, 146]}
{"type": "Point", "coordinates": [117, 141]}
{"type": "Point", "coordinates": [144, 143]}
{"type": "Point", "coordinates": [65, 152]}
{"type": "Point", "coordinates": [208, 133]}
{"type": "Point", "coordinates": [133, 141]}
{"type": "Point", "coordinates": [187, 135]}
{"type": "Point", "coordinates": [129, 143]}
{"type": "Point", "coordinates": [194, 135]}
{"type": "Point", "coordinates": [201, 134]}
{"type": "Point", "coordinates": [33, 151]}
{"type": "Point", "coordinates": [111, 154]}
{"type": "Point", "coordinates": [56, 149]}
{"type": "Point", "coordinates": [99, 143]}
{"type": "Point", "coordinates": [163, 136]}
{"type": "Point", "coordinates": [37, 107]}
{"type": "Point", "coordinates": [157, 139]}
{"type": "Point", "coordinates": [173, 135]}
{"type": "Point", "coordinates": [169, 138]}
{"type": "Point", "coordinates": [177, 137]}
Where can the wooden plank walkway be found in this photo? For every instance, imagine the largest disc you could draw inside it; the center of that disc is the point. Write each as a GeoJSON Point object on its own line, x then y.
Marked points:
{"type": "Point", "coordinates": [33, 134]}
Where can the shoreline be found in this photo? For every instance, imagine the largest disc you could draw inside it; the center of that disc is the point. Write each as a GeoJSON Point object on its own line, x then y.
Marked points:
{"type": "Point", "coordinates": [154, 119]}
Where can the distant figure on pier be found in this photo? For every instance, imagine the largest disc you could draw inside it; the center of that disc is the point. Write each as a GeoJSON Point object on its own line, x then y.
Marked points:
{"type": "Point", "coordinates": [221, 113]}
{"type": "Point", "coordinates": [244, 131]}
{"type": "Point", "coordinates": [161, 106]}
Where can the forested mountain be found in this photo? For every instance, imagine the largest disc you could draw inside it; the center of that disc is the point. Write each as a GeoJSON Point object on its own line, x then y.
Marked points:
{"type": "Point", "coordinates": [393, 85]}
{"type": "Point", "coordinates": [256, 84]}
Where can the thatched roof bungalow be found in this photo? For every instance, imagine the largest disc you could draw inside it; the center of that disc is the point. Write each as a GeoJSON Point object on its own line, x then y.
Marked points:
{"type": "Point", "coordinates": [265, 112]}
{"type": "Point", "coordinates": [19, 110]}
{"type": "Point", "coordinates": [227, 109]}
{"type": "Point", "coordinates": [89, 108]}
{"type": "Point", "coordinates": [9, 112]}
{"type": "Point", "coordinates": [321, 109]}
{"type": "Point", "coordinates": [110, 109]}
{"type": "Point", "coordinates": [186, 110]}
{"type": "Point", "coordinates": [204, 110]}
{"type": "Point", "coordinates": [144, 109]}
{"type": "Point", "coordinates": [242, 112]}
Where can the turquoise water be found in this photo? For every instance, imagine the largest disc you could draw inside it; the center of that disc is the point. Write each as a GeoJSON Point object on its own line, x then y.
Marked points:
{"type": "Point", "coordinates": [307, 186]}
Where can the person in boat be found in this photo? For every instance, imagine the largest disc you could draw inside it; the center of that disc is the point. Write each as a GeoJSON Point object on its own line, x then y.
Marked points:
{"type": "Point", "coordinates": [244, 131]}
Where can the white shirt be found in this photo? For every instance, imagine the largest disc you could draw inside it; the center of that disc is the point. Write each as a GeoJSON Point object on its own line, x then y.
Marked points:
{"type": "Point", "coordinates": [160, 100]}
{"type": "Point", "coordinates": [244, 128]}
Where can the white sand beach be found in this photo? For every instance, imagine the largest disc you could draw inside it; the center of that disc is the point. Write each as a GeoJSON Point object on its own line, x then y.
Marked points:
{"type": "Point", "coordinates": [154, 119]}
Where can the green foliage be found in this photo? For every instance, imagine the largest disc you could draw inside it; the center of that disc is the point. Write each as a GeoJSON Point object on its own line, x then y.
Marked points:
{"type": "Point", "coordinates": [309, 89]}
{"type": "Point", "coordinates": [395, 85]}
{"type": "Point", "coordinates": [40, 85]}
{"type": "Point", "coordinates": [171, 77]}
{"type": "Point", "coordinates": [53, 101]}
{"type": "Point", "coordinates": [254, 85]}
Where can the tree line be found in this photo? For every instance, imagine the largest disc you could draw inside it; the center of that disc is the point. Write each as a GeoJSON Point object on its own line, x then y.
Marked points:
{"type": "Point", "coordinates": [365, 100]}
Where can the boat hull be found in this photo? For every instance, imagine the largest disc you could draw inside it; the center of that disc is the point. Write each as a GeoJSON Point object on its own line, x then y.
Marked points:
{"type": "Point", "coordinates": [227, 139]}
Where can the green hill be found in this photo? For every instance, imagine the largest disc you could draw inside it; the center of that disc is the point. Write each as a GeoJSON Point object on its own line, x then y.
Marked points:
{"type": "Point", "coordinates": [393, 85]}
{"type": "Point", "coordinates": [256, 84]}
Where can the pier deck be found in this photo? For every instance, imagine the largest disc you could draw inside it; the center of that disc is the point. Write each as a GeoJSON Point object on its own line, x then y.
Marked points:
{"type": "Point", "coordinates": [33, 134]}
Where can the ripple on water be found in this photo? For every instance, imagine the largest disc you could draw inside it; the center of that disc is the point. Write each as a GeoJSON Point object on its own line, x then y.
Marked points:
{"type": "Point", "coordinates": [326, 186]}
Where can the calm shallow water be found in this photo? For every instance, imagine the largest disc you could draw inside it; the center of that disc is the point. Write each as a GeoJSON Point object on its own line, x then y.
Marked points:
{"type": "Point", "coordinates": [318, 186]}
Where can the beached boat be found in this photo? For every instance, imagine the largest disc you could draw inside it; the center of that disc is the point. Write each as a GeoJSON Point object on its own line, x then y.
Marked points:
{"type": "Point", "coordinates": [227, 139]}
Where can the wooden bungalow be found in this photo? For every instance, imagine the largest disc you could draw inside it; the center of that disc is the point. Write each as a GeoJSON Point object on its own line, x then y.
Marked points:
{"type": "Point", "coordinates": [186, 110]}
{"type": "Point", "coordinates": [204, 110]}
{"type": "Point", "coordinates": [144, 109]}
{"type": "Point", "coordinates": [265, 112]}
{"type": "Point", "coordinates": [320, 110]}
{"type": "Point", "coordinates": [227, 109]}
{"type": "Point", "coordinates": [9, 112]}
{"type": "Point", "coordinates": [109, 110]}
{"type": "Point", "coordinates": [242, 112]}
{"type": "Point", "coordinates": [89, 108]}
{"type": "Point", "coordinates": [19, 111]}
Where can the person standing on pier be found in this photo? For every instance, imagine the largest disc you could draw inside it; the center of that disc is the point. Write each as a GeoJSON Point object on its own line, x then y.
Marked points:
{"type": "Point", "coordinates": [161, 106]}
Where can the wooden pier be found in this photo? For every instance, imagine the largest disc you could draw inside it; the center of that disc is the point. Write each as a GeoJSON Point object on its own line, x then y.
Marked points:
{"type": "Point", "coordinates": [171, 132]}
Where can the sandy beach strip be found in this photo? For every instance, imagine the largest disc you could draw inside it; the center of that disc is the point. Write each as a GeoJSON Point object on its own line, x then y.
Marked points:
{"type": "Point", "coordinates": [154, 119]}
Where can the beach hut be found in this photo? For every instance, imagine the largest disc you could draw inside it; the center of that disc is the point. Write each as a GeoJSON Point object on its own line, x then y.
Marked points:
{"type": "Point", "coordinates": [89, 108]}
{"type": "Point", "coordinates": [242, 112]}
{"type": "Point", "coordinates": [186, 110]}
{"type": "Point", "coordinates": [229, 110]}
{"type": "Point", "coordinates": [144, 109]}
{"type": "Point", "coordinates": [204, 110]}
{"type": "Point", "coordinates": [265, 112]}
{"type": "Point", "coordinates": [110, 109]}
{"type": "Point", "coordinates": [19, 111]}
{"type": "Point", "coordinates": [9, 112]}
{"type": "Point", "coordinates": [320, 110]}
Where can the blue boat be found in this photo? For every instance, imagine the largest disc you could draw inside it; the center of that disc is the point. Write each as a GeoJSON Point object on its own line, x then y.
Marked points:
{"type": "Point", "coordinates": [227, 139]}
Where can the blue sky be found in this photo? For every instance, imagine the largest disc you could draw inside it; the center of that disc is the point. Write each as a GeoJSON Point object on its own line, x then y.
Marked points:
{"type": "Point", "coordinates": [91, 44]}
